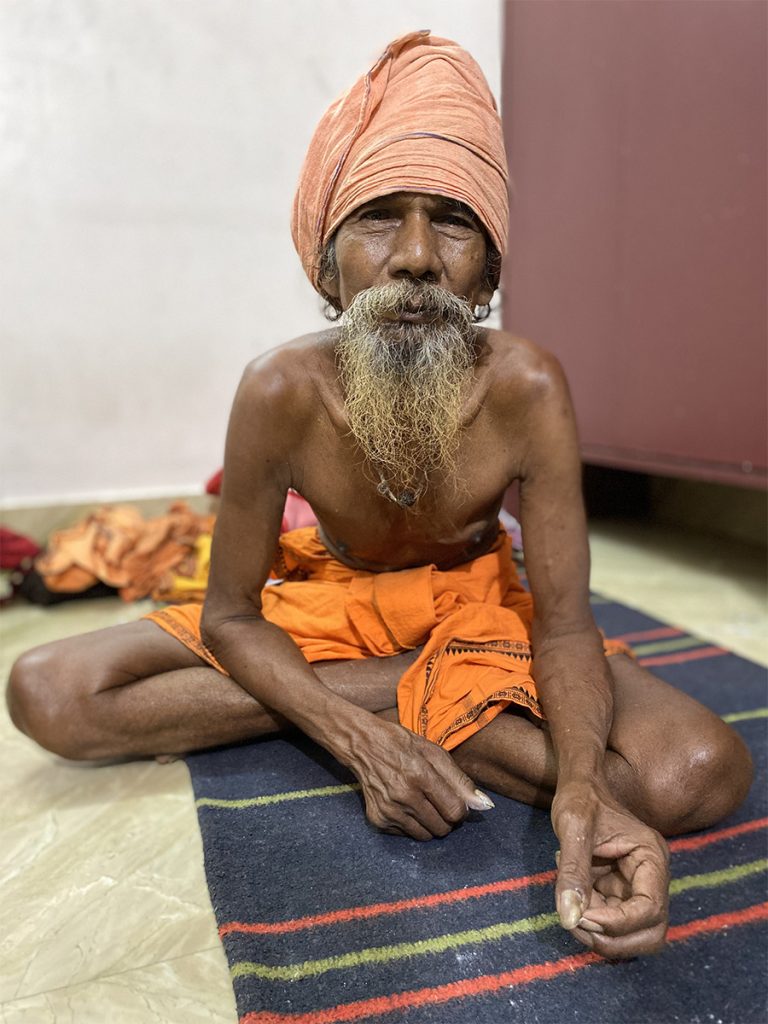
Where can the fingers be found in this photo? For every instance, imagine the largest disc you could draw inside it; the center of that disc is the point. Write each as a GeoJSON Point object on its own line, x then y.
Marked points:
{"type": "Point", "coordinates": [428, 811]}
{"type": "Point", "coordinates": [628, 911]}
{"type": "Point", "coordinates": [621, 913]}
{"type": "Point", "coordinates": [413, 787]}
{"type": "Point", "coordinates": [418, 820]}
{"type": "Point", "coordinates": [409, 828]}
{"type": "Point", "coordinates": [428, 802]}
{"type": "Point", "coordinates": [618, 928]}
{"type": "Point", "coordinates": [449, 781]}
{"type": "Point", "coordinates": [649, 940]}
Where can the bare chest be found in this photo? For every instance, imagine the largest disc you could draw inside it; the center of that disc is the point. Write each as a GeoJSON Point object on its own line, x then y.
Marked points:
{"type": "Point", "coordinates": [453, 521]}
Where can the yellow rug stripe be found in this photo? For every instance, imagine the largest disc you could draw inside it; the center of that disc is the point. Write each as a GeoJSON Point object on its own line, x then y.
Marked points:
{"type": "Point", "coordinates": [681, 643]}
{"type": "Point", "coordinates": [276, 798]}
{"type": "Point", "coordinates": [382, 954]}
{"type": "Point", "coordinates": [715, 878]}
{"type": "Point", "coordinates": [440, 943]}
{"type": "Point", "coordinates": [742, 716]}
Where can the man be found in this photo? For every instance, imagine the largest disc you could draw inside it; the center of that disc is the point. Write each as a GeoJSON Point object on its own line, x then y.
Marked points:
{"type": "Point", "coordinates": [403, 428]}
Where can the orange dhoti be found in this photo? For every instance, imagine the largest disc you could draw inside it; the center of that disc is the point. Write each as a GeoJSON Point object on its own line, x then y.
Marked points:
{"type": "Point", "coordinates": [474, 622]}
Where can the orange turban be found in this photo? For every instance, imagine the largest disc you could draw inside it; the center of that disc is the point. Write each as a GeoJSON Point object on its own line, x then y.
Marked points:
{"type": "Point", "coordinates": [421, 120]}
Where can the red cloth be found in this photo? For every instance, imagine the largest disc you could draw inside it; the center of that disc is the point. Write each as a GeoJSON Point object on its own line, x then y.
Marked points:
{"type": "Point", "coordinates": [297, 511]}
{"type": "Point", "coordinates": [214, 484]}
{"type": "Point", "coordinates": [15, 548]}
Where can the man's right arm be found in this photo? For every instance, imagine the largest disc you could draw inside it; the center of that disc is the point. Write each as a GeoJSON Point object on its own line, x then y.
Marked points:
{"type": "Point", "coordinates": [409, 785]}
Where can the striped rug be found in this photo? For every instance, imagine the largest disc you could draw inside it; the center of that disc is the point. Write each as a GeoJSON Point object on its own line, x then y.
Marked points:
{"type": "Point", "coordinates": [325, 920]}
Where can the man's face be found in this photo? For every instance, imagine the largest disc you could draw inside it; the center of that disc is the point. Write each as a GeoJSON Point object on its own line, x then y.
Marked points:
{"type": "Point", "coordinates": [411, 236]}
{"type": "Point", "coordinates": [411, 268]}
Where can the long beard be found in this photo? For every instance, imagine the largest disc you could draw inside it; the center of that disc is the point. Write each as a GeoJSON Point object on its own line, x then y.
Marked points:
{"type": "Point", "coordinates": [405, 383]}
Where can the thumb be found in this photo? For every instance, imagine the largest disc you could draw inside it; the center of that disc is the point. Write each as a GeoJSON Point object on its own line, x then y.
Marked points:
{"type": "Point", "coordinates": [574, 875]}
{"type": "Point", "coordinates": [479, 801]}
{"type": "Point", "coordinates": [474, 798]}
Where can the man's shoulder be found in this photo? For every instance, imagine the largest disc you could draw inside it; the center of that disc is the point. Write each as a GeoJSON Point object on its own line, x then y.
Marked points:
{"type": "Point", "coordinates": [290, 371]}
{"type": "Point", "coordinates": [520, 365]}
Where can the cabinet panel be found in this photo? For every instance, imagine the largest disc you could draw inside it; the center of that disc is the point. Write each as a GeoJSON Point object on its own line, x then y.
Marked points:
{"type": "Point", "coordinates": [637, 142]}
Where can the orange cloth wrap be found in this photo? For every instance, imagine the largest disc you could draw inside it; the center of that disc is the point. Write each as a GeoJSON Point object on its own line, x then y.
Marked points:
{"type": "Point", "coordinates": [474, 622]}
{"type": "Point", "coordinates": [421, 120]}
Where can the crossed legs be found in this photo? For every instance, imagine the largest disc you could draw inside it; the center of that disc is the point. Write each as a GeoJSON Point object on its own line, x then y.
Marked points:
{"type": "Point", "coordinates": [133, 691]}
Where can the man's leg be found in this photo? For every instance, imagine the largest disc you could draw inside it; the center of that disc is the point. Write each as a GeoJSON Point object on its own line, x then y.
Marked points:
{"type": "Point", "coordinates": [670, 761]}
{"type": "Point", "coordinates": [134, 690]}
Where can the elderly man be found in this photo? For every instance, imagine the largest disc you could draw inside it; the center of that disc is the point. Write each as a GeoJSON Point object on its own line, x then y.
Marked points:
{"type": "Point", "coordinates": [403, 427]}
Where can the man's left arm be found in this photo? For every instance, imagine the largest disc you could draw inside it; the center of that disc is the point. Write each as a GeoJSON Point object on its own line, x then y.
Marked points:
{"type": "Point", "coordinates": [612, 887]}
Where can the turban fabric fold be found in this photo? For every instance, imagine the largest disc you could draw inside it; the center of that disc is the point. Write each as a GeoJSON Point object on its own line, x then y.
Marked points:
{"type": "Point", "coordinates": [421, 120]}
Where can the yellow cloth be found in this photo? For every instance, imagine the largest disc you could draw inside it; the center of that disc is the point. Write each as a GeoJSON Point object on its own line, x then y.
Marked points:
{"type": "Point", "coordinates": [474, 621]}
{"type": "Point", "coordinates": [421, 120]}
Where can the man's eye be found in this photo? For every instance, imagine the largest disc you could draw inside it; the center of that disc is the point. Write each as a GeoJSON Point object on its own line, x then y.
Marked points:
{"type": "Point", "coordinates": [375, 214]}
{"type": "Point", "coordinates": [457, 220]}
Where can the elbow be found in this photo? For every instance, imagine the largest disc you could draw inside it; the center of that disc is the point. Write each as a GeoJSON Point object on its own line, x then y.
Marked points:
{"type": "Point", "coordinates": [209, 635]}
{"type": "Point", "coordinates": [216, 628]}
{"type": "Point", "coordinates": [210, 624]}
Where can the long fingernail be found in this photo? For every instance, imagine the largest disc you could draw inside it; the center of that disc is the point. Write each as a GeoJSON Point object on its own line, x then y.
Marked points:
{"type": "Point", "coordinates": [480, 802]}
{"type": "Point", "coordinates": [557, 857]}
{"type": "Point", "coordinates": [570, 909]}
{"type": "Point", "coordinates": [591, 926]}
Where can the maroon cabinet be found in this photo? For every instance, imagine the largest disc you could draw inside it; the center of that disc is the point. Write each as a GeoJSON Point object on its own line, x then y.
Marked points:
{"type": "Point", "coordinates": [636, 131]}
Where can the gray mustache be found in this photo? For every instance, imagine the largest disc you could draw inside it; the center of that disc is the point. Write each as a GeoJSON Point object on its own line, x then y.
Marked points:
{"type": "Point", "coordinates": [410, 297]}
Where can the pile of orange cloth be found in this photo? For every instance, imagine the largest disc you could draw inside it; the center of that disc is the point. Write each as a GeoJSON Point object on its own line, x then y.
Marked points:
{"type": "Point", "coordinates": [138, 556]}
{"type": "Point", "coordinates": [421, 120]}
{"type": "Point", "coordinates": [474, 622]}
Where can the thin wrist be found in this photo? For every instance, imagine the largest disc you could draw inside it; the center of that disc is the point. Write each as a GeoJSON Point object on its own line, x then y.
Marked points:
{"type": "Point", "coordinates": [581, 767]}
{"type": "Point", "coordinates": [340, 730]}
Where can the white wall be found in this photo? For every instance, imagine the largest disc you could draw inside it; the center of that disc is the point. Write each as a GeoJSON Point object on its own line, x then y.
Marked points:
{"type": "Point", "coordinates": [149, 151]}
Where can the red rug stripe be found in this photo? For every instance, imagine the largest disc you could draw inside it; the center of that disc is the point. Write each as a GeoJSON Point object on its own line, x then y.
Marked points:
{"type": "Point", "coordinates": [452, 896]}
{"type": "Point", "coordinates": [660, 633]}
{"type": "Point", "coordinates": [675, 659]}
{"type": "Point", "coordinates": [425, 996]}
{"type": "Point", "coordinates": [491, 982]}
{"type": "Point", "coordinates": [718, 922]}
{"type": "Point", "coordinates": [375, 909]}
{"type": "Point", "coordinates": [696, 842]}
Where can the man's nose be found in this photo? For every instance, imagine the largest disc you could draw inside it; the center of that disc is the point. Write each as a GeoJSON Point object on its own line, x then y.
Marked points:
{"type": "Point", "coordinates": [414, 253]}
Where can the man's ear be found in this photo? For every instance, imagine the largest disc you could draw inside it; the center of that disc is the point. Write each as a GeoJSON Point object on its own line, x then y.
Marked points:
{"type": "Point", "coordinates": [330, 286]}
{"type": "Point", "coordinates": [328, 272]}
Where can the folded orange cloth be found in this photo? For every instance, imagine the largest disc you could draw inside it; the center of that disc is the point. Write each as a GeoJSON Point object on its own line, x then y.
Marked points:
{"type": "Point", "coordinates": [421, 120]}
{"type": "Point", "coordinates": [474, 621]}
{"type": "Point", "coordinates": [117, 546]}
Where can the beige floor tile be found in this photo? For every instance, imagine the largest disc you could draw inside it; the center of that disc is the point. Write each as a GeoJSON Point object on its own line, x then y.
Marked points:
{"type": "Point", "coordinates": [108, 877]}
{"type": "Point", "coordinates": [708, 586]}
{"type": "Point", "coordinates": [101, 868]}
{"type": "Point", "coordinates": [193, 989]}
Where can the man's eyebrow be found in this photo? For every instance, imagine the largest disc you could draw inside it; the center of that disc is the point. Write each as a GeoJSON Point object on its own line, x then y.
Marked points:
{"type": "Point", "coordinates": [457, 206]}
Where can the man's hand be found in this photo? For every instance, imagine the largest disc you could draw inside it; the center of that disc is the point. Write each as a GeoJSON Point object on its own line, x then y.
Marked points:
{"type": "Point", "coordinates": [612, 888]}
{"type": "Point", "coordinates": [411, 786]}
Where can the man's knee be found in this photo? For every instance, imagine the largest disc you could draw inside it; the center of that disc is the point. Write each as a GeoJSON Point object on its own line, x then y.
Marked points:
{"type": "Point", "coordinates": [41, 702]}
{"type": "Point", "coordinates": [698, 783]}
